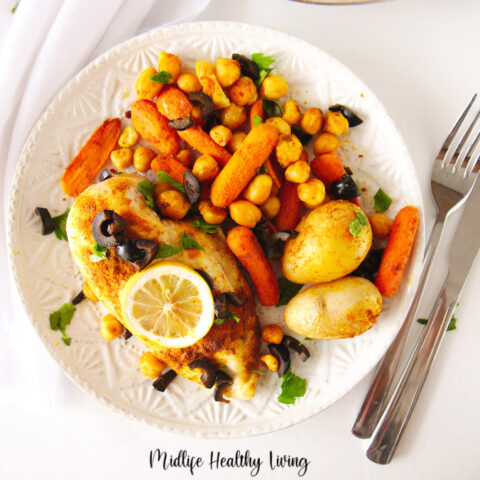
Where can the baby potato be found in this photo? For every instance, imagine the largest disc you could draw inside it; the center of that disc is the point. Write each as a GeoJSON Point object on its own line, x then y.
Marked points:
{"type": "Point", "coordinates": [325, 248]}
{"type": "Point", "coordinates": [344, 308]}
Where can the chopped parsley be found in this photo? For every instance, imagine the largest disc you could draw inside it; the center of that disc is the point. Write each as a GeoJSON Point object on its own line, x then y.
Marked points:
{"type": "Point", "coordinates": [164, 177]}
{"type": "Point", "coordinates": [257, 120]}
{"type": "Point", "coordinates": [451, 326]}
{"type": "Point", "coordinates": [272, 107]}
{"type": "Point", "coordinates": [165, 250]}
{"type": "Point", "coordinates": [221, 321]}
{"type": "Point", "coordinates": [304, 340]}
{"type": "Point", "coordinates": [288, 290]}
{"type": "Point", "coordinates": [382, 201]}
{"type": "Point", "coordinates": [292, 387]}
{"type": "Point", "coordinates": [147, 189]}
{"type": "Point", "coordinates": [356, 225]}
{"type": "Point", "coordinates": [257, 371]}
{"type": "Point", "coordinates": [187, 242]}
{"type": "Point", "coordinates": [61, 318]}
{"type": "Point", "coordinates": [99, 253]}
{"type": "Point", "coordinates": [60, 223]}
{"type": "Point", "coordinates": [263, 169]}
{"type": "Point", "coordinates": [263, 63]}
{"type": "Point", "coordinates": [161, 77]}
{"type": "Point", "coordinates": [205, 227]}
{"type": "Point", "coordinates": [14, 9]}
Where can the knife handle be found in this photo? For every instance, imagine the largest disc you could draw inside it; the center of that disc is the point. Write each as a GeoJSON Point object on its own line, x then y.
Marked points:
{"type": "Point", "coordinates": [398, 413]}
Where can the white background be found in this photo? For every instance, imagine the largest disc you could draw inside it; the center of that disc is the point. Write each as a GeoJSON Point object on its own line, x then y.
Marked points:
{"type": "Point", "coordinates": [422, 61]}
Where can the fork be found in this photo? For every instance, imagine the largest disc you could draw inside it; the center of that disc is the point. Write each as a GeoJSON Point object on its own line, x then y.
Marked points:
{"type": "Point", "coordinates": [452, 180]}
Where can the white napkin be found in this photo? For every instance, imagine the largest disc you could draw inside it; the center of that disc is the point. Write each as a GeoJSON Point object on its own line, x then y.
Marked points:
{"type": "Point", "coordinates": [45, 47]}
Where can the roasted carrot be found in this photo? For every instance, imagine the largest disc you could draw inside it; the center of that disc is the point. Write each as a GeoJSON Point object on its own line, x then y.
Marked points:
{"type": "Point", "coordinates": [397, 251]}
{"type": "Point", "coordinates": [202, 142]}
{"type": "Point", "coordinates": [243, 165]}
{"type": "Point", "coordinates": [289, 214]}
{"type": "Point", "coordinates": [273, 169]}
{"type": "Point", "coordinates": [245, 247]}
{"type": "Point", "coordinates": [90, 159]}
{"type": "Point", "coordinates": [256, 109]}
{"type": "Point", "coordinates": [169, 164]}
{"type": "Point", "coordinates": [173, 103]}
{"type": "Point", "coordinates": [154, 127]}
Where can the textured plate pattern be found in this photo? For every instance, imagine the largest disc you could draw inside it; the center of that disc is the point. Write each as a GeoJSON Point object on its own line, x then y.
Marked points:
{"type": "Point", "coordinates": [46, 276]}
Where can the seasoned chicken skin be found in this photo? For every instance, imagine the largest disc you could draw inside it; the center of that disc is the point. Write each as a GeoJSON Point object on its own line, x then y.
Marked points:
{"type": "Point", "coordinates": [231, 347]}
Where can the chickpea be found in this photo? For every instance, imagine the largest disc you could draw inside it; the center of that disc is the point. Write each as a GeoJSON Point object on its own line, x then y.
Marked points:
{"type": "Point", "coordinates": [271, 207]}
{"type": "Point", "coordinates": [234, 116]}
{"type": "Point", "coordinates": [291, 112]}
{"type": "Point", "coordinates": [273, 87]}
{"type": "Point", "coordinates": [205, 168]}
{"type": "Point", "coordinates": [280, 124]}
{"type": "Point", "coordinates": [298, 172]}
{"type": "Point", "coordinates": [258, 190]}
{"type": "Point", "coordinates": [272, 334]}
{"type": "Point", "coordinates": [311, 121]}
{"type": "Point", "coordinates": [381, 225]}
{"type": "Point", "coordinates": [236, 141]}
{"type": "Point", "coordinates": [110, 327]}
{"type": "Point", "coordinates": [170, 63]}
{"type": "Point", "coordinates": [128, 138]}
{"type": "Point", "coordinates": [151, 366]}
{"type": "Point", "coordinates": [184, 156]}
{"type": "Point", "coordinates": [88, 292]}
{"type": "Point", "coordinates": [202, 68]}
{"type": "Point", "coordinates": [221, 135]}
{"type": "Point", "coordinates": [173, 204]}
{"type": "Point", "coordinates": [326, 143]}
{"type": "Point", "coordinates": [211, 213]}
{"type": "Point", "coordinates": [196, 115]}
{"type": "Point", "coordinates": [144, 87]}
{"type": "Point", "coordinates": [270, 362]}
{"type": "Point", "coordinates": [188, 82]}
{"type": "Point", "coordinates": [122, 158]}
{"type": "Point", "coordinates": [243, 91]}
{"type": "Point", "coordinates": [312, 192]}
{"type": "Point", "coordinates": [335, 123]}
{"type": "Point", "coordinates": [142, 158]}
{"type": "Point", "coordinates": [288, 150]}
{"type": "Point", "coordinates": [227, 71]}
{"type": "Point", "coordinates": [245, 213]}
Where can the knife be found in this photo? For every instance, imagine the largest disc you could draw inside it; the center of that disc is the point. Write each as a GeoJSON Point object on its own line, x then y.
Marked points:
{"type": "Point", "coordinates": [463, 250]}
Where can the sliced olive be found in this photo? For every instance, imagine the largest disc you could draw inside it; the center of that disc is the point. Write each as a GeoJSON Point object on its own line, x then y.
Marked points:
{"type": "Point", "coordinates": [209, 372]}
{"type": "Point", "coordinates": [192, 186]}
{"type": "Point", "coordinates": [248, 67]}
{"type": "Point", "coordinates": [107, 228]}
{"type": "Point", "coordinates": [207, 278]}
{"type": "Point", "coordinates": [222, 377]}
{"type": "Point", "coordinates": [344, 189]}
{"type": "Point", "coordinates": [105, 175]}
{"type": "Point", "coordinates": [222, 381]}
{"type": "Point", "coordinates": [353, 118]}
{"type": "Point", "coordinates": [182, 123]}
{"type": "Point", "coordinates": [164, 380]}
{"type": "Point", "coordinates": [127, 334]}
{"type": "Point", "coordinates": [294, 344]}
{"type": "Point", "coordinates": [47, 222]}
{"type": "Point", "coordinates": [276, 243]}
{"type": "Point", "coordinates": [369, 267]}
{"type": "Point", "coordinates": [221, 306]}
{"type": "Point", "coordinates": [236, 299]}
{"type": "Point", "coordinates": [263, 232]}
{"type": "Point", "coordinates": [78, 298]}
{"type": "Point", "coordinates": [281, 353]}
{"type": "Point", "coordinates": [303, 136]}
{"type": "Point", "coordinates": [205, 103]}
{"type": "Point", "coordinates": [139, 252]}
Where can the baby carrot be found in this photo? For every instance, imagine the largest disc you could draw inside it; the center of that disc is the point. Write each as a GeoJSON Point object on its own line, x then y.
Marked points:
{"type": "Point", "coordinates": [256, 109]}
{"type": "Point", "coordinates": [289, 214]}
{"type": "Point", "coordinates": [173, 103]}
{"type": "Point", "coordinates": [169, 164]}
{"type": "Point", "coordinates": [243, 165]}
{"type": "Point", "coordinates": [245, 247]}
{"type": "Point", "coordinates": [397, 251]}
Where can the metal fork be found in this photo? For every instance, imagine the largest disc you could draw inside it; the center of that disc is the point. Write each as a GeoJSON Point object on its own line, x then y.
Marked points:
{"type": "Point", "coordinates": [452, 180]}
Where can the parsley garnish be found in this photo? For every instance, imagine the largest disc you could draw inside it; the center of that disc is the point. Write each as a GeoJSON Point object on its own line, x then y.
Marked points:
{"type": "Point", "coordinates": [292, 387]}
{"type": "Point", "coordinates": [205, 227]}
{"type": "Point", "coordinates": [263, 169]}
{"type": "Point", "coordinates": [147, 189]}
{"type": "Point", "coordinates": [382, 201]}
{"type": "Point", "coordinates": [264, 66]}
{"type": "Point", "coordinates": [164, 177]}
{"type": "Point", "coordinates": [288, 290]}
{"type": "Point", "coordinates": [257, 371]}
{"type": "Point", "coordinates": [99, 253]}
{"type": "Point", "coordinates": [187, 242]}
{"type": "Point", "coordinates": [13, 10]}
{"type": "Point", "coordinates": [304, 340]}
{"type": "Point", "coordinates": [61, 318]}
{"type": "Point", "coordinates": [271, 107]}
{"type": "Point", "coordinates": [221, 321]}
{"type": "Point", "coordinates": [356, 225]}
{"type": "Point", "coordinates": [451, 326]}
{"type": "Point", "coordinates": [161, 77]}
{"type": "Point", "coordinates": [165, 250]}
{"type": "Point", "coordinates": [257, 120]}
{"type": "Point", "coordinates": [60, 223]}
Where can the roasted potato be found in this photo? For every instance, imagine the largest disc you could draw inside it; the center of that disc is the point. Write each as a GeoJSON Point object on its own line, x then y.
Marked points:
{"type": "Point", "coordinates": [340, 309]}
{"type": "Point", "coordinates": [325, 248]}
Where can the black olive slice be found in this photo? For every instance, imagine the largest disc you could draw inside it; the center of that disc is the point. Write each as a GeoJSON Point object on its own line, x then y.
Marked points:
{"type": "Point", "coordinates": [353, 118]}
{"type": "Point", "coordinates": [127, 334]}
{"type": "Point", "coordinates": [47, 222]}
{"type": "Point", "coordinates": [370, 265]}
{"type": "Point", "coordinates": [222, 377]}
{"type": "Point", "coordinates": [78, 298]}
{"type": "Point", "coordinates": [192, 187]}
{"type": "Point", "coordinates": [207, 278]}
{"type": "Point", "coordinates": [139, 252]}
{"type": "Point", "coordinates": [294, 344]}
{"type": "Point", "coordinates": [303, 136]}
{"type": "Point", "coordinates": [236, 299]}
{"type": "Point", "coordinates": [164, 380]}
{"type": "Point", "coordinates": [276, 242]}
{"type": "Point", "coordinates": [209, 372]}
{"type": "Point", "coordinates": [248, 67]}
{"type": "Point", "coordinates": [182, 123]}
{"type": "Point", "coordinates": [105, 175]}
{"type": "Point", "coordinates": [203, 101]}
{"type": "Point", "coordinates": [221, 306]}
{"type": "Point", "coordinates": [218, 394]}
{"type": "Point", "coordinates": [107, 228]}
{"type": "Point", "coordinates": [344, 189]}
{"type": "Point", "coordinates": [263, 232]}
{"type": "Point", "coordinates": [281, 353]}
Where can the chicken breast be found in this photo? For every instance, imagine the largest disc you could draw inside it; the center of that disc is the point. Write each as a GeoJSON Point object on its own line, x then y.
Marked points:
{"type": "Point", "coordinates": [231, 347]}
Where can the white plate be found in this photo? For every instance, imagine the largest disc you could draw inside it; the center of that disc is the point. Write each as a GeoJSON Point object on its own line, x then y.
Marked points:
{"type": "Point", "coordinates": [46, 275]}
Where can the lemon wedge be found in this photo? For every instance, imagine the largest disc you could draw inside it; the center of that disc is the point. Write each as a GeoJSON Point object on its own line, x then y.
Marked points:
{"type": "Point", "coordinates": [167, 304]}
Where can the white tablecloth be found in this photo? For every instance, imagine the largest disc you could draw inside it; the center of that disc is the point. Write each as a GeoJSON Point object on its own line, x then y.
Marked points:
{"type": "Point", "coordinates": [421, 60]}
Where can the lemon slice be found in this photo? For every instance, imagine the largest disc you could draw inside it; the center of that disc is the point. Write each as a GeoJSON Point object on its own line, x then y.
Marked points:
{"type": "Point", "coordinates": [167, 304]}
